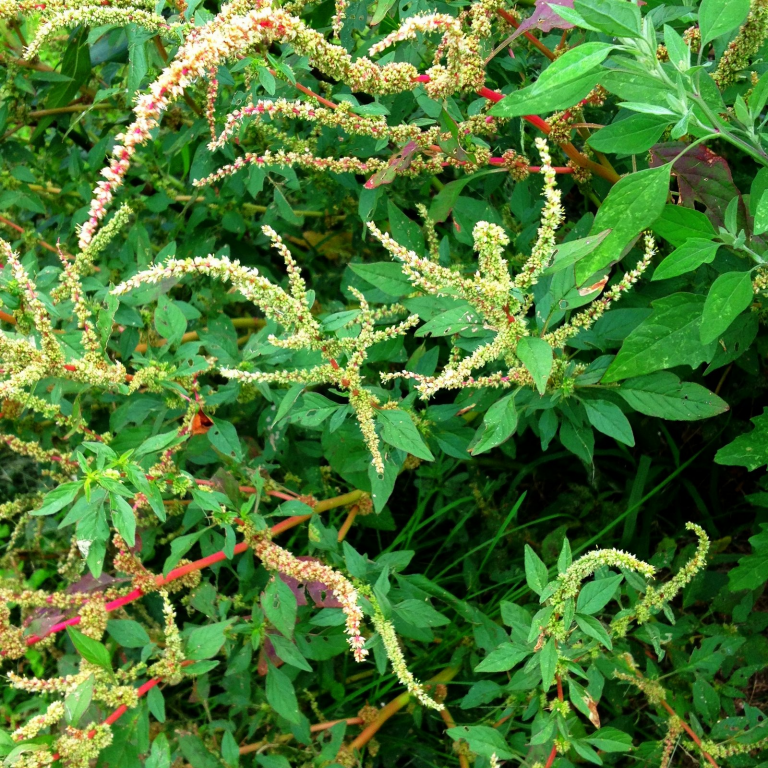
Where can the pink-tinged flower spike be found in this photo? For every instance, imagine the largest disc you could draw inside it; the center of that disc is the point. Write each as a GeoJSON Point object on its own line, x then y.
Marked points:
{"type": "Point", "coordinates": [237, 29]}
{"type": "Point", "coordinates": [434, 22]}
{"type": "Point", "coordinates": [275, 558]}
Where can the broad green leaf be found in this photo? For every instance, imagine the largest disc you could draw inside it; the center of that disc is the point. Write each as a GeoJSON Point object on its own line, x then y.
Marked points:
{"type": "Point", "coordinates": [536, 356]}
{"type": "Point", "coordinates": [716, 17]}
{"type": "Point", "coordinates": [169, 320]}
{"type": "Point", "coordinates": [548, 663]}
{"type": "Point", "coordinates": [90, 649]}
{"type": "Point", "coordinates": [289, 653]}
{"type": "Point", "coordinates": [608, 418]}
{"type": "Point", "coordinates": [570, 252]}
{"type": "Point", "coordinates": [749, 450]}
{"type": "Point", "coordinates": [610, 740]}
{"type": "Point", "coordinates": [677, 224]}
{"type": "Point", "coordinates": [579, 440]}
{"type": "Point", "coordinates": [127, 633]}
{"type": "Point", "coordinates": [279, 604]}
{"type": "Point", "coordinates": [613, 17]}
{"type": "Point", "coordinates": [751, 571]}
{"type": "Point", "coordinates": [632, 136]}
{"type": "Point", "coordinates": [632, 205]}
{"type": "Point", "coordinates": [195, 751]}
{"type": "Point", "coordinates": [160, 756]}
{"type": "Point", "coordinates": [158, 443]}
{"type": "Point", "coordinates": [665, 396]}
{"type": "Point", "coordinates": [205, 642]}
{"type": "Point", "coordinates": [483, 740]}
{"type": "Point", "coordinates": [503, 658]}
{"type": "Point", "coordinates": [384, 275]}
{"type": "Point", "coordinates": [689, 256]}
{"type": "Point", "coordinates": [535, 571]}
{"type": "Point", "coordinates": [530, 100]}
{"type": "Point", "coordinates": [58, 498]}
{"type": "Point", "coordinates": [78, 701]}
{"type": "Point", "coordinates": [286, 405]}
{"type": "Point", "coordinates": [572, 65]}
{"type": "Point", "coordinates": [668, 338]}
{"type": "Point", "coordinates": [443, 202]}
{"type": "Point", "coordinates": [595, 595]}
{"type": "Point", "coordinates": [223, 437]}
{"type": "Point", "coordinates": [420, 613]}
{"type": "Point", "coordinates": [728, 297]}
{"type": "Point", "coordinates": [404, 230]}
{"type": "Point", "coordinates": [498, 425]}
{"type": "Point", "coordinates": [123, 518]}
{"type": "Point", "coordinates": [706, 700]}
{"type": "Point", "coordinates": [281, 695]}
{"type": "Point", "coordinates": [398, 429]}
{"type": "Point", "coordinates": [590, 626]}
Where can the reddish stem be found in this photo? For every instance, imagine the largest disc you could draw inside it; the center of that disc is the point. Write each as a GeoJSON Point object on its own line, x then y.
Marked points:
{"type": "Point", "coordinates": [527, 35]}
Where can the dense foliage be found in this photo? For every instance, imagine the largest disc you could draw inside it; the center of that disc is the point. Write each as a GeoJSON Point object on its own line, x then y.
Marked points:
{"type": "Point", "coordinates": [377, 381]}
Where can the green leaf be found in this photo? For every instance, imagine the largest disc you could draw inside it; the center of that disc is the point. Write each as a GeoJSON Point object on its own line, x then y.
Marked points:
{"type": "Point", "coordinates": [158, 443]}
{"type": "Point", "coordinates": [281, 695]}
{"type": "Point", "coordinates": [752, 570]}
{"type": "Point", "coordinates": [706, 700]}
{"type": "Point", "coordinates": [223, 437]}
{"type": "Point", "coordinates": [613, 17]}
{"type": "Point", "coordinates": [716, 17]}
{"type": "Point", "coordinates": [749, 450]}
{"type": "Point", "coordinates": [287, 403]}
{"type": "Point", "coordinates": [138, 61]}
{"type": "Point", "coordinates": [445, 199]}
{"type": "Point", "coordinates": [123, 518]}
{"type": "Point", "coordinates": [665, 396]}
{"type": "Point", "coordinates": [404, 230]}
{"type": "Point", "coordinates": [90, 649]}
{"type": "Point", "coordinates": [58, 498]}
{"type": "Point", "coordinates": [385, 275]}
{"type": "Point", "coordinates": [728, 297]}
{"type": "Point", "coordinates": [608, 418]}
{"type": "Point", "coordinates": [570, 252]}
{"type": "Point", "coordinates": [669, 337]}
{"type": "Point", "coordinates": [632, 136]}
{"type": "Point", "coordinates": [689, 256]}
{"type": "Point", "coordinates": [205, 642]}
{"type": "Point", "coordinates": [279, 604]}
{"type": "Point", "coordinates": [230, 752]}
{"type": "Point", "coordinates": [761, 214]}
{"type": "Point", "coordinates": [535, 571]}
{"type": "Point", "coordinates": [195, 751]}
{"type": "Point", "coordinates": [595, 595]}
{"type": "Point", "coordinates": [548, 663]}
{"type": "Point", "coordinates": [127, 633]}
{"type": "Point", "coordinates": [76, 65]}
{"type": "Point", "coordinates": [572, 65]}
{"type": "Point", "coordinates": [531, 101]}
{"type": "Point", "coordinates": [503, 658]}
{"type": "Point", "coordinates": [536, 356]}
{"type": "Point", "coordinates": [289, 653]}
{"type": "Point", "coordinates": [482, 739]}
{"type": "Point", "coordinates": [591, 627]}
{"type": "Point", "coordinates": [398, 429]}
{"type": "Point", "coordinates": [498, 425]}
{"type": "Point", "coordinates": [611, 740]}
{"type": "Point", "coordinates": [677, 224]}
{"type": "Point", "coordinates": [78, 701]}
{"type": "Point", "coordinates": [179, 547]}
{"type": "Point", "coordinates": [633, 204]}
{"type": "Point", "coordinates": [169, 320]}
{"type": "Point", "coordinates": [420, 613]}
{"type": "Point", "coordinates": [579, 440]}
